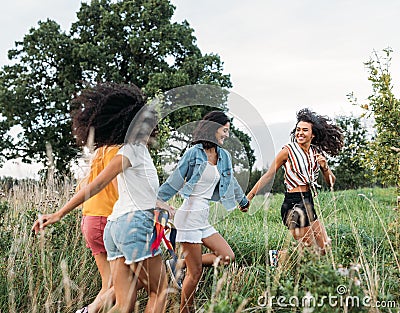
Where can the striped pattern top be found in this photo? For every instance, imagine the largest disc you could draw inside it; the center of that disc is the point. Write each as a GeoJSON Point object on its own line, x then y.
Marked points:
{"type": "Point", "coordinates": [301, 168]}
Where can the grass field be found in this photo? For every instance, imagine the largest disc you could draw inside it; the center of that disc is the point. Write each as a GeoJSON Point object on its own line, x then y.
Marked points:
{"type": "Point", "coordinates": [54, 272]}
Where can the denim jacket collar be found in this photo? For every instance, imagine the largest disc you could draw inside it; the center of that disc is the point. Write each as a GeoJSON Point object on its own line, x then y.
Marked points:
{"type": "Point", "coordinates": [218, 148]}
{"type": "Point", "coordinates": [189, 170]}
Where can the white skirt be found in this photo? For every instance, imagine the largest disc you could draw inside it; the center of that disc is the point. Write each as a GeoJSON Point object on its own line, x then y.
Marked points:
{"type": "Point", "coordinates": [191, 221]}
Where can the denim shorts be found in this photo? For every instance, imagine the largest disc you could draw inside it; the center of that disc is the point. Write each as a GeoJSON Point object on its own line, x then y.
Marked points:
{"type": "Point", "coordinates": [297, 210]}
{"type": "Point", "coordinates": [129, 237]}
{"type": "Point", "coordinates": [92, 228]}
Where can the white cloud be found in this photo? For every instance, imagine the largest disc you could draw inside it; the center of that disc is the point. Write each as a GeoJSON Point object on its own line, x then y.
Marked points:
{"type": "Point", "coordinates": [19, 16]}
{"type": "Point", "coordinates": [283, 55]}
{"type": "Point", "coordinates": [18, 169]}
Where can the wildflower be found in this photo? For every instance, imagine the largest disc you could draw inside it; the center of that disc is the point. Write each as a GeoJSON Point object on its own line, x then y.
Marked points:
{"type": "Point", "coordinates": [307, 301]}
{"type": "Point", "coordinates": [355, 267]}
{"type": "Point", "coordinates": [343, 271]}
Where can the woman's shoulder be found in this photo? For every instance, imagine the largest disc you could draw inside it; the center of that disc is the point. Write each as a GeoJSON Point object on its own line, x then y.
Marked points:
{"type": "Point", "coordinates": [195, 150]}
{"type": "Point", "coordinates": [190, 153]}
{"type": "Point", "coordinates": [108, 152]}
{"type": "Point", "coordinates": [111, 148]}
{"type": "Point", "coordinates": [289, 145]}
{"type": "Point", "coordinates": [283, 155]}
{"type": "Point", "coordinates": [223, 152]}
{"type": "Point", "coordinates": [133, 149]}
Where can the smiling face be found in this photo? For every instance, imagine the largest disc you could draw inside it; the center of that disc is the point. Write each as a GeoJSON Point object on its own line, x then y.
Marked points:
{"type": "Point", "coordinates": [222, 133]}
{"type": "Point", "coordinates": [303, 133]}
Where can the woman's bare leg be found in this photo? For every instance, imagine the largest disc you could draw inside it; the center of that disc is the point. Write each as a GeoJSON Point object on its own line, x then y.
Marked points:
{"type": "Point", "coordinates": [303, 235]}
{"type": "Point", "coordinates": [151, 273]}
{"type": "Point", "coordinates": [220, 248]}
{"type": "Point", "coordinates": [106, 294]}
{"type": "Point", "coordinates": [312, 235]}
{"type": "Point", "coordinates": [125, 286]}
{"type": "Point", "coordinates": [321, 237]}
{"type": "Point", "coordinates": [194, 268]}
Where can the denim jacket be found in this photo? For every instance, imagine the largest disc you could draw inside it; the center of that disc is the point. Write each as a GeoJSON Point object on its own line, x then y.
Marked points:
{"type": "Point", "coordinates": [189, 170]}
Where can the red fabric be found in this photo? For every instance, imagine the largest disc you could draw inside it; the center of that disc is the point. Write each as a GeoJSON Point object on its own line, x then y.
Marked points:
{"type": "Point", "coordinates": [160, 224]}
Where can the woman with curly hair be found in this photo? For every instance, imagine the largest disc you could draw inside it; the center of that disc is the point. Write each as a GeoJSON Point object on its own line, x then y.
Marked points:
{"type": "Point", "coordinates": [112, 111]}
{"type": "Point", "coordinates": [302, 159]}
{"type": "Point", "coordinates": [94, 218]}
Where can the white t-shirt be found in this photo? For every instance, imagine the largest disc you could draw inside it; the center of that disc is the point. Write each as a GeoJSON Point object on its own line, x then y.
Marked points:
{"type": "Point", "coordinates": [205, 186]}
{"type": "Point", "coordinates": [138, 184]}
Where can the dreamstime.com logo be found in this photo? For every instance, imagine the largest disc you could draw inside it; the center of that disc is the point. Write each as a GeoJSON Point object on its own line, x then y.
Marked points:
{"type": "Point", "coordinates": [341, 299]}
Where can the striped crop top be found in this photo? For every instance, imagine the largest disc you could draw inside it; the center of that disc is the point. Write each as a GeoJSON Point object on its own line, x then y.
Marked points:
{"type": "Point", "coordinates": [301, 168]}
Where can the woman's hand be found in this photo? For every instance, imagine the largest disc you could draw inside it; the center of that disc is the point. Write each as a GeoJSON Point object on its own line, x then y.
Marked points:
{"type": "Point", "coordinates": [322, 162]}
{"type": "Point", "coordinates": [326, 171]}
{"type": "Point", "coordinates": [245, 208]}
{"type": "Point", "coordinates": [45, 220]}
{"type": "Point", "coordinates": [169, 208]}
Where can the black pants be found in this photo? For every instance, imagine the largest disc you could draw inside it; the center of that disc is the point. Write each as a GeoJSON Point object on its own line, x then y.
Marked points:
{"type": "Point", "coordinates": [297, 210]}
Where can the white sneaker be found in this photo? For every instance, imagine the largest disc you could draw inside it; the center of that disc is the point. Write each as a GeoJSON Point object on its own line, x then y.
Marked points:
{"type": "Point", "coordinates": [273, 257]}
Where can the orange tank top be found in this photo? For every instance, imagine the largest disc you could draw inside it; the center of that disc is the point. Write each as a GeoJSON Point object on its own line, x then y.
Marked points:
{"type": "Point", "coordinates": [102, 203]}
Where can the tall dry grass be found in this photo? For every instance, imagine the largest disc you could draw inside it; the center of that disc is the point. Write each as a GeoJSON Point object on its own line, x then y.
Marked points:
{"type": "Point", "coordinates": [54, 272]}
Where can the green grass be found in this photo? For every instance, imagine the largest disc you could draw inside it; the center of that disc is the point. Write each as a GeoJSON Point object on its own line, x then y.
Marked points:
{"type": "Point", "coordinates": [54, 272]}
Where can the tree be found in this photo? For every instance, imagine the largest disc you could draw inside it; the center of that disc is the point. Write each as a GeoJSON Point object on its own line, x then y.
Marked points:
{"type": "Point", "coordinates": [180, 139]}
{"type": "Point", "coordinates": [123, 42]}
{"type": "Point", "coordinates": [350, 165]}
{"type": "Point", "coordinates": [383, 106]}
{"type": "Point", "coordinates": [278, 185]}
{"type": "Point", "coordinates": [34, 95]}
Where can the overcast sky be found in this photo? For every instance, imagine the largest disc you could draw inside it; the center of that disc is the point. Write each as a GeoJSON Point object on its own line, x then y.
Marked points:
{"type": "Point", "coordinates": [281, 55]}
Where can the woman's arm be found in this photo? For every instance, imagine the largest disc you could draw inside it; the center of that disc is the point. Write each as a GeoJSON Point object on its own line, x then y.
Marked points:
{"type": "Point", "coordinates": [176, 180]}
{"type": "Point", "coordinates": [329, 177]}
{"type": "Point", "coordinates": [240, 197]}
{"type": "Point", "coordinates": [279, 160]}
{"type": "Point", "coordinates": [326, 171]}
{"type": "Point", "coordinates": [116, 166]}
{"type": "Point", "coordinates": [163, 205]}
{"type": "Point", "coordinates": [115, 184]}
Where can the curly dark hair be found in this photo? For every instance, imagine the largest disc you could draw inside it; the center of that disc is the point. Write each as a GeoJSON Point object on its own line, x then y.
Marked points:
{"type": "Point", "coordinates": [207, 127]}
{"type": "Point", "coordinates": [108, 109]}
{"type": "Point", "coordinates": [328, 136]}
